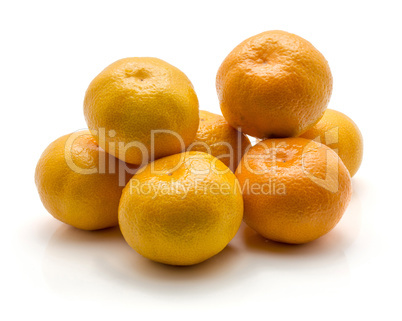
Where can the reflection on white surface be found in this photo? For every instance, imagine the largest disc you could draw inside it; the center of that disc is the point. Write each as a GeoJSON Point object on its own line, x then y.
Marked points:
{"type": "Point", "coordinates": [83, 260]}
{"type": "Point", "coordinates": [101, 264]}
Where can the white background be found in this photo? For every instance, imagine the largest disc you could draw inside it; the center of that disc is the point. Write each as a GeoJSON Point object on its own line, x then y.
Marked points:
{"type": "Point", "coordinates": [51, 50]}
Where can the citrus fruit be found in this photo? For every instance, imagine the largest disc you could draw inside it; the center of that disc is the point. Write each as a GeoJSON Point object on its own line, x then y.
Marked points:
{"type": "Point", "coordinates": [145, 109]}
{"type": "Point", "coordinates": [216, 137]}
{"type": "Point", "coordinates": [80, 184]}
{"type": "Point", "coordinates": [339, 132]}
{"type": "Point", "coordinates": [295, 189]}
{"type": "Point", "coordinates": [181, 209]}
{"type": "Point", "coordinates": [274, 84]}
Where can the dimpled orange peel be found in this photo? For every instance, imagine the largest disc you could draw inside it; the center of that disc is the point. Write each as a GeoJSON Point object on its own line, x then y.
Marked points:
{"type": "Point", "coordinates": [295, 190]}
{"type": "Point", "coordinates": [80, 184]}
{"type": "Point", "coordinates": [274, 84]}
{"type": "Point", "coordinates": [181, 209]}
{"type": "Point", "coordinates": [216, 137]}
{"type": "Point", "coordinates": [141, 109]}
